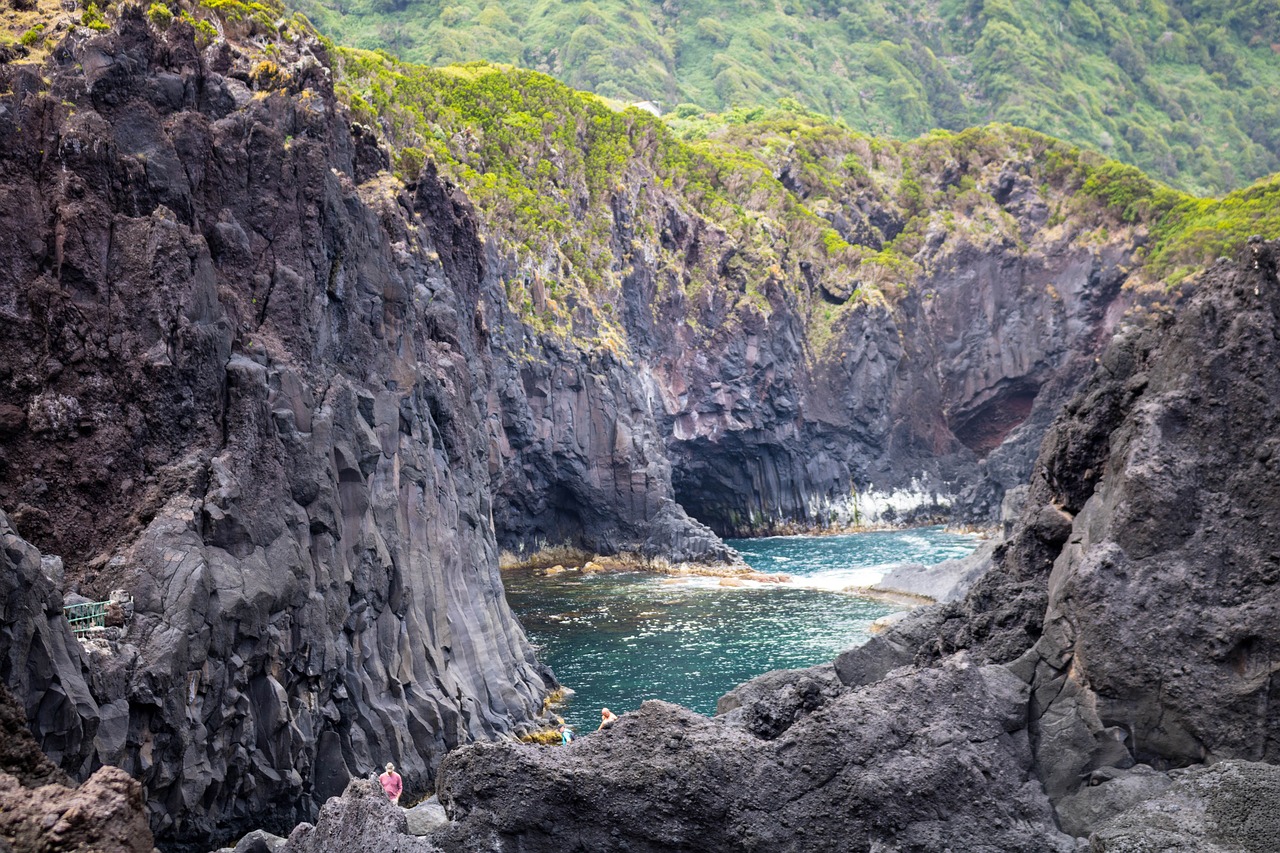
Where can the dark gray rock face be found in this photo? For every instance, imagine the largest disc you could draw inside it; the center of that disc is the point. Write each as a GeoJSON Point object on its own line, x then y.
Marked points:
{"type": "Point", "coordinates": [1108, 793]}
{"type": "Point", "coordinates": [582, 459]}
{"type": "Point", "coordinates": [1136, 594]}
{"type": "Point", "coordinates": [767, 705]}
{"type": "Point", "coordinates": [1162, 611]}
{"type": "Point", "coordinates": [1231, 807]}
{"type": "Point", "coordinates": [42, 663]}
{"type": "Point", "coordinates": [246, 375]}
{"type": "Point", "coordinates": [933, 759]}
{"type": "Point", "coordinates": [971, 367]}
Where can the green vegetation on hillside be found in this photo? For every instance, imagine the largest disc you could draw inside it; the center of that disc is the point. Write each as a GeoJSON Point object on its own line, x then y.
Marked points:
{"type": "Point", "coordinates": [553, 170]}
{"type": "Point", "coordinates": [1189, 90]}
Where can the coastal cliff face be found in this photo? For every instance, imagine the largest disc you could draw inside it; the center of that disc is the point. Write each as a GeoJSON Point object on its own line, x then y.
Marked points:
{"type": "Point", "coordinates": [293, 406]}
{"type": "Point", "coordinates": [783, 325]}
{"type": "Point", "coordinates": [245, 379]}
{"type": "Point", "coordinates": [940, 400]}
{"type": "Point", "coordinates": [1125, 630]}
{"type": "Point", "coordinates": [786, 403]}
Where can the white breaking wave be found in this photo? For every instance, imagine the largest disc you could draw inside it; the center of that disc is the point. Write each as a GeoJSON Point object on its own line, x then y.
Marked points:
{"type": "Point", "coordinates": [838, 579]}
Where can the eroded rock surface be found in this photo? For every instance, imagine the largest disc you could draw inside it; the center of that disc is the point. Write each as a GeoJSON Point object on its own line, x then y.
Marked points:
{"type": "Point", "coordinates": [245, 376]}
{"type": "Point", "coordinates": [42, 809]}
{"type": "Point", "coordinates": [921, 761]}
{"type": "Point", "coordinates": [1163, 620]}
{"type": "Point", "coordinates": [44, 667]}
{"type": "Point", "coordinates": [1231, 807]}
{"type": "Point", "coordinates": [362, 818]}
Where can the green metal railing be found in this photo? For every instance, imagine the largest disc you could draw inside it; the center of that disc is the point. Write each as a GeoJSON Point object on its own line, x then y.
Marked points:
{"type": "Point", "coordinates": [86, 617]}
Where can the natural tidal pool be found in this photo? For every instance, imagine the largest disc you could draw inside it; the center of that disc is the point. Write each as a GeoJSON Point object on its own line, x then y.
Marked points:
{"type": "Point", "coordinates": [618, 639]}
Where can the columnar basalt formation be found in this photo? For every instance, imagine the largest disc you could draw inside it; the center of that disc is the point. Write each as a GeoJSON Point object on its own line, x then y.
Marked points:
{"type": "Point", "coordinates": [578, 455]}
{"type": "Point", "coordinates": [245, 378]}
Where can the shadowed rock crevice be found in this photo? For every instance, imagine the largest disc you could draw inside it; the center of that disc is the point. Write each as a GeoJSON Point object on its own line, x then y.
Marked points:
{"type": "Point", "coordinates": [985, 427]}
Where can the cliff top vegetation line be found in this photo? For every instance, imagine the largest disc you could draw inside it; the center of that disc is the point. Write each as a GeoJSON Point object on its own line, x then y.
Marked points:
{"type": "Point", "coordinates": [554, 169]}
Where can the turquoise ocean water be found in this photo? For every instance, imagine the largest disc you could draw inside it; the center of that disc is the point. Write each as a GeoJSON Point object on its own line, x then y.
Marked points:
{"type": "Point", "coordinates": [618, 639]}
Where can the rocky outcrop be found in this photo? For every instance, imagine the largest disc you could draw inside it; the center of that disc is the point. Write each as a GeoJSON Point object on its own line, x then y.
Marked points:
{"type": "Point", "coordinates": [361, 819]}
{"type": "Point", "coordinates": [20, 755]}
{"type": "Point", "coordinates": [1162, 624]}
{"type": "Point", "coordinates": [43, 665]}
{"type": "Point", "coordinates": [41, 809]}
{"type": "Point", "coordinates": [926, 760]}
{"type": "Point", "coordinates": [104, 814]}
{"type": "Point", "coordinates": [1134, 595]}
{"type": "Point", "coordinates": [1231, 807]}
{"type": "Point", "coordinates": [579, 457]}
{"type": "Point", "coordinates": [245, 376]}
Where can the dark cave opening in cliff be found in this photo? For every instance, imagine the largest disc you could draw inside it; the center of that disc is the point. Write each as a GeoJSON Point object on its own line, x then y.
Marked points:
{"type": "Point", "coordinates": [983, 428]}
{"type": "Point", "coordinates": [735, 488]}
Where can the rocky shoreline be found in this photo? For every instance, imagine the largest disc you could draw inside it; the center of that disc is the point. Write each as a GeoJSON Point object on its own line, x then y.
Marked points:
{"type": "Point", "coordinates": [1046, 709]}
{"type": "Point", "coordinates": [277, 398]}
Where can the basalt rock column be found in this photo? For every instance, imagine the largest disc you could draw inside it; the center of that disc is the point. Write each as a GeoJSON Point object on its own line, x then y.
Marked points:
{"type": "Point", "coordinates": [249, 373]}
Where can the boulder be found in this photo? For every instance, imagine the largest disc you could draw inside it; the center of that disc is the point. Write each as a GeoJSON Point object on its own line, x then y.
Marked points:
{"type": "Point", "coordinates": [1108, 793]}
{"type": "Point", "coordinates": [425, 817]}
{"type": "Point", "coordinates": [947, 581]}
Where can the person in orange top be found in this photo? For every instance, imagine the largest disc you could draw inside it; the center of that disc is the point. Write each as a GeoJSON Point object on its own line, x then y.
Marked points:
{"type": "Point", "coordinates": [392, 783]}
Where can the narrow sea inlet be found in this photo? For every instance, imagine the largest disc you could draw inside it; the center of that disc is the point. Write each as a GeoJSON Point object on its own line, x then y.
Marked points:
{"type": "Point", "coordinates": [619, 639]}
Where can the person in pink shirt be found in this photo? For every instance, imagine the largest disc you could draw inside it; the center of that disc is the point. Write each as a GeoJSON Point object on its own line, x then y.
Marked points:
{"type": "Point", "coordinates": [392, 783]}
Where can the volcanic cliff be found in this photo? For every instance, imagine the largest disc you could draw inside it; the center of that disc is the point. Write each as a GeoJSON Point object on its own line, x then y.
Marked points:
{"type": "Point", "coordinates": [284, 406]}
{"type": "Point", "coordinates": [1125, 632]}
{"type": "Point", "coordinates": [245, 380]}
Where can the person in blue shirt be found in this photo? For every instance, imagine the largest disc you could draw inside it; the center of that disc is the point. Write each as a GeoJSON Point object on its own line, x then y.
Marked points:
{"type": "Point", "coordinates": [566, 734]}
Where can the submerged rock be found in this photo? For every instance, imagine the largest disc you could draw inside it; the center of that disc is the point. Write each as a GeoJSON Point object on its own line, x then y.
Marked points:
{"type": "Point", "coordinates": [947, 581]}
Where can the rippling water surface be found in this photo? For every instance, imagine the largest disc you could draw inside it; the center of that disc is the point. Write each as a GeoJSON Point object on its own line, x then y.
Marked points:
{"type": "Point", "coordinates": [618, 639]}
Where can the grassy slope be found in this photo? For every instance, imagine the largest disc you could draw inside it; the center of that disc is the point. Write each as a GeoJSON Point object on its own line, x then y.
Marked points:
{"type": "Point", "coordinates": [1189, 90]}
{"type": "Point", "coordinates": [548, 167]}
